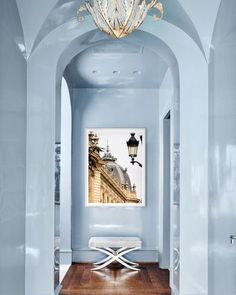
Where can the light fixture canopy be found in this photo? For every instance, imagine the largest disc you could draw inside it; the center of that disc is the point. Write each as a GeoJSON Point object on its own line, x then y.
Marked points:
{"type": "Point", "coordinates": [119, 18]}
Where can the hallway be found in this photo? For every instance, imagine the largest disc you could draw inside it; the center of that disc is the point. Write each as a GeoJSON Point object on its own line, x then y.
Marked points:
{"type": "Point", "coordinates": [118, 137]}
{"type": "Point", "coordinates": [116, 281]}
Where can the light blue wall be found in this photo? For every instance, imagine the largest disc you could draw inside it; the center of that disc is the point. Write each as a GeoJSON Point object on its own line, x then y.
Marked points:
{"type": "Point", "coordinates": [114, 108]}
{"type": "Point", "coordinates": [165, 95]}
{"type": "Point", "coordinates": [12, 151]}
{"type": "Point", "coordinates": [222, 143]}
{"type": "Point", "coordinates": [65, 180]}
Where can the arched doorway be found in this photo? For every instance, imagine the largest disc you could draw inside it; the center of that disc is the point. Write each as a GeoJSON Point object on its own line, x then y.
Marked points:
{"type": "Point", "coordinates": [158, 50]}
{"type": "Point", "coordinates": [59, 53]}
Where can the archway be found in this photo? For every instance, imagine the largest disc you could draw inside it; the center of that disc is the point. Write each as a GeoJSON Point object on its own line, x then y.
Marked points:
{"type": "Point", "coordinates": [161, 50]}
{"type": "Point", "coordinates": [186, 63]}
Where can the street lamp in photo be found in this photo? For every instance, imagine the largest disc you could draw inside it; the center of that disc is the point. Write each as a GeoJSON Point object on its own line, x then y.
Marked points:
{"type": "Point", "coordinates": [132, 145]}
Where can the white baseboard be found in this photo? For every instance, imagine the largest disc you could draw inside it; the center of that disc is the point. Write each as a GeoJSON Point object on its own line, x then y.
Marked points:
{"type": "Point", "coordinates": [58, 289]}
{"type": "Point", "coordinates": [66, 256]}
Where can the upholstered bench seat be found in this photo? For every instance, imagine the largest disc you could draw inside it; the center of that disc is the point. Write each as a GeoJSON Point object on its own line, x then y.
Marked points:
{"type": "Point", "coordinates": [115, 248]}
{"type": "Point", "coordinates": [115, 242]}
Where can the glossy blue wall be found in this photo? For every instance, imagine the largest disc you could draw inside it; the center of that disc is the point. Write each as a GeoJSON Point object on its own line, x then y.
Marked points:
{"type": "Point", "coordinates": [12, 151]}
{"type": "Point", "coordinates": [114, 108]}
{"type": "Point", "coordinates": [222, 144]}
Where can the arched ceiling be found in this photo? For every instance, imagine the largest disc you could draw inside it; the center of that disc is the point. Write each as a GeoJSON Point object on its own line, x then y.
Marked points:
{"type": "Point", "coordinates": [65, 10]}
{"type": "Point", "coordinates": [40, 18]}
{"type": "Point", "coordinates": [116, 64]}
{"type": "Point", "coordinates": [224, 25]}
{"type": "Point", "coordinates": [8, 12]}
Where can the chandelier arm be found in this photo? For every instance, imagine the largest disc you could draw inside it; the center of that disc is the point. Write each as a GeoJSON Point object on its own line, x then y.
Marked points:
{"type": "Point", "coordinates": [82, 8]}
{"type": "Point", "coordinates": [126, 4]}
{"type": "Point", "coordinates": [127, 18]}
{"type": "Point", "coordinates": [117, 25]}
{"type": "Point", "coordinates": [116, 19]}
{"type": "Point", "coordinates": [151, 4]}
{"type": "Point", "coordinates": [144, 14]}
{"type": "Point", "coordinates": [131, 29]}
{"type": "Point", "coordinates": [106, 4]}
{"type": "Point", "coordinates": [104, 17]}
{"type": "Point", "coordinates": [91, 10]}
{"type": "Point", "coordinates": [159, 7]}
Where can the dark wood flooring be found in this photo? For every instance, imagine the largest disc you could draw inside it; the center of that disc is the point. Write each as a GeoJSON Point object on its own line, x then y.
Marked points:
{"type": "Point", "coordinates": [116, 280]}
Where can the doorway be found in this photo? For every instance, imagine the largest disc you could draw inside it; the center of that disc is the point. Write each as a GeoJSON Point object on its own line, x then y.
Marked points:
{"type": "Point", "coordinates": [165, 259]}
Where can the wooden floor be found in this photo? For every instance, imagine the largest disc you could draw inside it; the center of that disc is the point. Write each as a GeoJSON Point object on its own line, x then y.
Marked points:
{"type": "Point", "coordinates": [150, 280]}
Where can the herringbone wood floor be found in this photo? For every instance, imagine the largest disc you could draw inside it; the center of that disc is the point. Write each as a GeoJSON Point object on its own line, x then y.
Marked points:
{"type": "Point", "coordinates": [150, 280]}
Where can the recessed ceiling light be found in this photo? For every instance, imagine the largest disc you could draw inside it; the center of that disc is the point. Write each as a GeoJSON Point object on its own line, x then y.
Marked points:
{"type": "Point", "coordinates": [137, 72]}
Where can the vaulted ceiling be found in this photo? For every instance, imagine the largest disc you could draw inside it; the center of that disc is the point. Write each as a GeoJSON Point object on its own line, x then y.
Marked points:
{"type": "Point", "coordinates": [52, 20]}
{"type": "Point", "coordinates": [39, 19]}
{"type": "Point", "coordinates": [116, 64]}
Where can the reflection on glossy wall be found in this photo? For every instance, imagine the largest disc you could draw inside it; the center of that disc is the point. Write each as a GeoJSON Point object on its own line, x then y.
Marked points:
{"type": "Point", "coordinates": [184, 20]}
{"type": "Point", "coordinates": [222, 198]}
{"type": "Point", "coordinates": [12, 151]}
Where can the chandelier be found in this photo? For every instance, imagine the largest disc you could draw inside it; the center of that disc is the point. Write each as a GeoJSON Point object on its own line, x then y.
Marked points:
{"type": "Point", "coordinates": [119, 18]}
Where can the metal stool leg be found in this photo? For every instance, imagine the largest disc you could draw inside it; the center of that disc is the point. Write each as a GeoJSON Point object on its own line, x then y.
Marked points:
{"type": "Point", "coordinates": [115, 256]}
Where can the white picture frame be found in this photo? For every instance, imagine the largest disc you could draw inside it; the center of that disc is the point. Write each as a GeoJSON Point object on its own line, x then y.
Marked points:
{"type": "Point", "coordinates": [113, 141]}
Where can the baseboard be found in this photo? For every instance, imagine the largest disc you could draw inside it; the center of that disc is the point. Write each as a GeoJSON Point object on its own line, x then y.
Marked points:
{"type": "Point", "coordinates": [137, 256]}
{"type": "Point", "coordinates": [175, 291]}
{"type": "Point", "coordinates": [58, 289]}
{"type": "Point", "coordinates": [65, 256]}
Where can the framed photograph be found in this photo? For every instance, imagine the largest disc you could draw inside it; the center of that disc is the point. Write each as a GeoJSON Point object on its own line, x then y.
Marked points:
{"type": "Point", "coordinates": [115, 167]}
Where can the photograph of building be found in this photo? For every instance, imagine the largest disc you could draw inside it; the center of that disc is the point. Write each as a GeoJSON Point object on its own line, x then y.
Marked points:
{"type": "Point", "coordinates": [112, 179]}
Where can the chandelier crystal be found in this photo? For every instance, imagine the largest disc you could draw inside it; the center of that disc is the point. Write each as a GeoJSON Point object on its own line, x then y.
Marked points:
{"type": "Point", "coordinates": [119, 18]}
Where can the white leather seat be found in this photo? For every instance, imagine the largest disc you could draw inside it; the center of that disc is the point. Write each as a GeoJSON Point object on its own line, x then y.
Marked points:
{"type": "Point", "coordinates": [115, 242]}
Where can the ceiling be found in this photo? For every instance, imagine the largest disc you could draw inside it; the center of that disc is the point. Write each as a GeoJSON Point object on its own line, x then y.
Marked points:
{"type": "Point", "coordinates": [116, 64]}
{"type": "Point", "coordinates": [64, 12]}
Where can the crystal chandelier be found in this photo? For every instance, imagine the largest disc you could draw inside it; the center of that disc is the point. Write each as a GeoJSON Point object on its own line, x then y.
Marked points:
{"type": "Point", "coordinates": [118, 18]}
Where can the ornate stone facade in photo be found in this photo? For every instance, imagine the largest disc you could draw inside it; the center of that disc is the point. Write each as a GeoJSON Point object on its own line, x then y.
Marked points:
{"type": "Point", "coordinates": [108, 181]}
